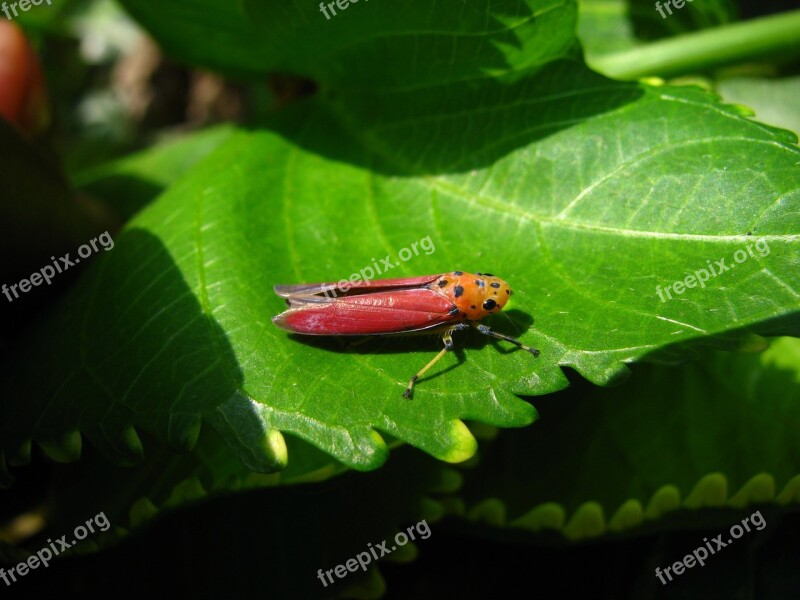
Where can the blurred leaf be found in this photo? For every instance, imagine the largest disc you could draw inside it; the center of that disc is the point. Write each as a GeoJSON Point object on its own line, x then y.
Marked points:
{"type": "Point", "coordinates": [604, 27]}
{"type": "Point", "coordinates": [774, 101]}
{"type": "Point", "coordinates": [773, 38]}
{"type": "Point", "coordinates": [128, 184]}
{"type": "Point", "coordinates": [40, 217]}
{"type": "Point", "coordinates": [654, 20]}
{"type": "Point", "coordinates": [719, 432]}
{"type": "Point", "coordinates": [397, 45]}
{"type": "Point", "coordinates": [608, 26]}
{"type": "Point", "coordinates": [320, 526]}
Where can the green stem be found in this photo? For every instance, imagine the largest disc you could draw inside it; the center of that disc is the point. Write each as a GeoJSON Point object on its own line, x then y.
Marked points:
{"type": "Point", "coordinates": [706, 49]}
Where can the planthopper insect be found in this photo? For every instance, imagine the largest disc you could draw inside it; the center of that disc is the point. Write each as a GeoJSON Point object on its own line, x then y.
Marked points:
{"type": "Point", "coordinates": [436, 304]}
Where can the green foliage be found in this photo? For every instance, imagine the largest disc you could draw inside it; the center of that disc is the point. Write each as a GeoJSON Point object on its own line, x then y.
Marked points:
{"type": "Point", "coordinates": [477, 128]}
{"type": "Point", "coordinates": [586, 194]}
{"type": "Point", "coordinates": [671, 438]}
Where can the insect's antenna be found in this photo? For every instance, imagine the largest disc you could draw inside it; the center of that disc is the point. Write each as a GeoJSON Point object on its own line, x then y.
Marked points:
{"type": "Point", "coordinates": [512, 323]}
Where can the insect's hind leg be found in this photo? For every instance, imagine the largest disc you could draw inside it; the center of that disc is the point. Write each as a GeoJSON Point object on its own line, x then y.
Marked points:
{"type": "Point", "coordinates": [447, 338]}
{"type": "Point", "coordinates": [491, 333]}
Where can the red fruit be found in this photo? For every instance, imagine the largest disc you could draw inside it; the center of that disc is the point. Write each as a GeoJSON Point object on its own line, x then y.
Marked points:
{"type": "Point", "coordinates": [22, 92]}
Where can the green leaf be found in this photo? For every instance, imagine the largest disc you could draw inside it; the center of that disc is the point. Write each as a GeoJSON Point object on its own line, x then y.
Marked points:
{"type": "Point", "coordinates": [718, 432]}
{"type": "Point", "coordinates": [401, 44]}
{"type": "Point", "coordinates": [586, 194]}
{"type": "Point", "coordinates": [340, 516]}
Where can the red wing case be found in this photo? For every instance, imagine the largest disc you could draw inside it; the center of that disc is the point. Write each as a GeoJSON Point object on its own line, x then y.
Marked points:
{"type": "Point", "coordinates": [375, 312]}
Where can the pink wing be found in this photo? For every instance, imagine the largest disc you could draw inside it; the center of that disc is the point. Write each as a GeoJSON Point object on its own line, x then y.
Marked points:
{"type": "Point", "coordinates": [395, 311]}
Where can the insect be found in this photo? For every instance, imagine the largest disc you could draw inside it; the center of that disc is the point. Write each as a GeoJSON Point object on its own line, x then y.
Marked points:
{"type": "Point", "coordinates": [436, 304]}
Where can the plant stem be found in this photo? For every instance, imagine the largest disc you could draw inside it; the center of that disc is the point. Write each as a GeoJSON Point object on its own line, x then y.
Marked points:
{"type": "Point", "coordinates": [706, 49]}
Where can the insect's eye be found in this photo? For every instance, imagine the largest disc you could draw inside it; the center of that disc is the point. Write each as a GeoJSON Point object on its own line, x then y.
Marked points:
{"type": "Point", "coordinates": [489, 304]}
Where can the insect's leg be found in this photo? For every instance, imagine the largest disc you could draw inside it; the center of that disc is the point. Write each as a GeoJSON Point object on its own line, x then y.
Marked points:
{"type": "Point", "coordinates": [487, 331]}
{"type": "Point", "coordinates": [447, 338]}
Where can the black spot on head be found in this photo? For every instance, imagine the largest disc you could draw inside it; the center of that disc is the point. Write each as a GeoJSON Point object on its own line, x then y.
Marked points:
{"type": "Point", "coordinates": [480, 283]}
{"type": "Point", "coordinates": [495, 285]}
{"type": "Point", "coordinates": [442, 283]}
{"type": "Point", "coordinates": [495, 293]}
{"type": "Point", "coordinates": [458, 290]}
{"type": "Point", "coordinates": [508, 291]}
{"type": "Point", "coordinates": [453, 311]}
{"type": "Point", "coordinates": [458, 273]}
{"type": "Point", "coordinates": [473, 307]}
{"type": "Point", "coordinates": [489, 304]}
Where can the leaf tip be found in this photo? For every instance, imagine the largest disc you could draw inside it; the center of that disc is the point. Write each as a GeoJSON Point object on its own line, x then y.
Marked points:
{"type": "Point", "coordinates": [183, 431]}
{"type": "Point", "coordinates": [711, 490]}
{"type": "Point", "coordinates": [463, 444]}
{"type": "Point", "coordinates": [628, 515]}
{"type": "Point", "coordinates": [491, 511]}
{"type": "Point", "coordinates": [588, 521]}
{"type": "Point", "coordinates": [65, 449]}
{"type": "Point", "coordinates": [760, 488]}
{"type": "Point", "coordinates": [549, 515]}
{"type": "Point", "coordinates": [665, 499]}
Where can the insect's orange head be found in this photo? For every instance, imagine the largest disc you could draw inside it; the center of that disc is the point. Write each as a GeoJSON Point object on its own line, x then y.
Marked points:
{"type": "Point", "coordinates": [475, 294]}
